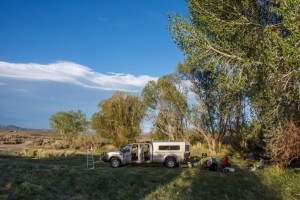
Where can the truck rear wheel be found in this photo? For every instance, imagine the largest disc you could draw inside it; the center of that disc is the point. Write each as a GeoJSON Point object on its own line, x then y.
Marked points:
{"type": "Point", "coordinates": [115, 162]}
{"type": "Point", "coordinates": [170, 162]}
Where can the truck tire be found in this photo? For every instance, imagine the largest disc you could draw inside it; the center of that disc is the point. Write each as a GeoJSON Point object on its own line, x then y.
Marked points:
{"type": "Point", "coordinates": [170, 162]}
{"type": "Point", "coordinates": [115, 162]}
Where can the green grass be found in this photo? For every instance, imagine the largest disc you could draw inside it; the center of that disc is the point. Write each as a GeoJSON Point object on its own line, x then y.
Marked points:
{"type": "Point", "coordinates": [67, 178]}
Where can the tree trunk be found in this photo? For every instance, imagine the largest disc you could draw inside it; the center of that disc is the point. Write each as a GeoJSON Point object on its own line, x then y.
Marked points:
{"type": "Point", "coordinates": [213, 146]}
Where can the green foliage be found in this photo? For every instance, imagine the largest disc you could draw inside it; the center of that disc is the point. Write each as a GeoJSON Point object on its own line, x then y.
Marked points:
{"type": "Point", "coordinates": [68, 124]}
{"type": "Point", "coordinates": [275, 88]}
{"type": "Point", "coordinates": [159, 135]}
{"type": "Point", "coordinates": [119, 118]}
{"type": "Point", "coordinates": [242, 54]}
{"type": "Point", "coordinates": [210, 38]}
{"type": "Point", "coordinates": [167, 101]}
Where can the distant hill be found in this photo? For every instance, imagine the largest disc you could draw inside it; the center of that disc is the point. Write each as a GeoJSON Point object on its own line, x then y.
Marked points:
{"type": "Point", "coordinates": [11, 128]}
{"type": "Point", "coordinates": [16, 128]}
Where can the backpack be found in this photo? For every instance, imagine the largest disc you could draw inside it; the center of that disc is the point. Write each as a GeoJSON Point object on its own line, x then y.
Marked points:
{"type": "Point", "coordinates": [213, 167]}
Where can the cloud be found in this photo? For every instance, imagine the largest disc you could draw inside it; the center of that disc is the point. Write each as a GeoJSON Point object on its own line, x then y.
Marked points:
{"type": "Point", "coordinates": [21, 90]}
{"type": "Point", "coordinates": [69, 72]}
{"type": "Point", "coordinates": [103, 19]}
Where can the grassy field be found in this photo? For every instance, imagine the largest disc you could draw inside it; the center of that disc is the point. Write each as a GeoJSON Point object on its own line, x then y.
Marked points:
{"type": "Point", "coordinates": [66, 177]}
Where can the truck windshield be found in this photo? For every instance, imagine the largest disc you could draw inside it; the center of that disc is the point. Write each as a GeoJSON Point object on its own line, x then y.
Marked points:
{"type": "Point", "coordinates": [127, 148]}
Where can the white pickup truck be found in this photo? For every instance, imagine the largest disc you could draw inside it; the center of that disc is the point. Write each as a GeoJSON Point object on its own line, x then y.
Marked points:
{"type": "Point", "coordinates": [167, 152]}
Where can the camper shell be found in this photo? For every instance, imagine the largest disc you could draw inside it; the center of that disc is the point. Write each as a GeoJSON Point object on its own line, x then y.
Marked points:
{"type": "Point", "coordinates": [168, 152]}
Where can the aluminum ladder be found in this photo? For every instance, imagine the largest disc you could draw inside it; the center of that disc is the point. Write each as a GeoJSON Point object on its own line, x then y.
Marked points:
{"type": "Point", "coordinates": [90, 164]}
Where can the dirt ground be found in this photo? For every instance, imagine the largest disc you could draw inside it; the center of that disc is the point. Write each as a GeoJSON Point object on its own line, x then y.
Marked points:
{"type": "Point", "coordinates": [27, 136]}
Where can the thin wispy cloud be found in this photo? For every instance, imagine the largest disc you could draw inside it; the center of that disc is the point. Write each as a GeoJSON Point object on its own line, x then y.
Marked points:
{"type": "Point", "coordinates": [103, 19]}
{"type": "Point", "coordinates": [21, 90]}
{"type": "Point", "coordinates": [72, 73]}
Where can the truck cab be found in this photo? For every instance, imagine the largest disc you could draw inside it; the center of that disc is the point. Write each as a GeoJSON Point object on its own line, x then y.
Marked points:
{"type": "Point", "coordinates": [137, 153]}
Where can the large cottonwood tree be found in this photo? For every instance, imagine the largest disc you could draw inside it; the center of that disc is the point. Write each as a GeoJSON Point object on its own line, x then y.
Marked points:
{"type": "Point", "coordinates": [166, 101]}
{"type": "Point", "coordinates": [119, 118]}
{"type": "Point", "coordinates": [245, 50]}
{"type": "Point", "coordinates": [68, 124]}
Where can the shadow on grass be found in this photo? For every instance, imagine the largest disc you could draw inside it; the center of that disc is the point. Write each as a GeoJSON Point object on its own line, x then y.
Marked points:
{"type": "Point", "coordinates": [270, 183]}
{"type": "Point", "coordinates": [241, 184]}
{"type": "Point", "coordinates": [67, 178]}
{"type": "Point", "coordinates": [195, 183]}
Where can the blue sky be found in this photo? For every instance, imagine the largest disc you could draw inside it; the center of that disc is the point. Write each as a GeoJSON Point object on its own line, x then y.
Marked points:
{"type": "Point", "coordinates": [61, 55]}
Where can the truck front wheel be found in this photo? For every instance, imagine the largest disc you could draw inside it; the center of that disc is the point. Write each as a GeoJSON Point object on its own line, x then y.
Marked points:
{"type": "Point", "coordinates": [115, 162]}
{"type": "Point", "coordinates": [170, 162]}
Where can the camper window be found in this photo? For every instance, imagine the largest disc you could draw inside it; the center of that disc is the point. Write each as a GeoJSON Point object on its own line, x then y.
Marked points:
{"type": "Point", "coordinates": [169, 147]}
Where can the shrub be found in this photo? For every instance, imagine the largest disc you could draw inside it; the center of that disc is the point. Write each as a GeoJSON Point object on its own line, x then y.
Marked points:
{"type": "Point", "coordinates": [59, 144]}
{"type": "Point", "coordinates": [83, 141]}
{"type": "Point", "coordinates": [37, 142]}
{"type": "Point", "coordinates": [284, 146]}
{"type": "Point", "coordinates": [45, 153]}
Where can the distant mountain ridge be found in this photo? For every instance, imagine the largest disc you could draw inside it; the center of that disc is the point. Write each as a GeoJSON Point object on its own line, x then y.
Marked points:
{"type": "Point", "coordinates": [17, 128]}
{"type": "Point", "coordinates": [11, 128]}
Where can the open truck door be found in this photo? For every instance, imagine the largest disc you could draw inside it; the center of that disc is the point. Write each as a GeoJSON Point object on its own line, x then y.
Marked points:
{"type": "Point", "coordinates": [127, 157]}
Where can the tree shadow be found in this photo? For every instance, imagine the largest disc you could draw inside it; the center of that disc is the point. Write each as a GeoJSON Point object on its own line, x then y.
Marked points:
{"type": "Point", "coordinates": [241, 184]}
{"type": "Point", "coordinates": [68, 178]}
